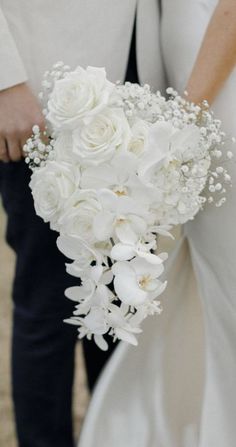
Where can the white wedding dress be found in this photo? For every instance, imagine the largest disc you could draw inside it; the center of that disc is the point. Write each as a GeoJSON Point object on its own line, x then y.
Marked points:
{"type": "Point", "coordinates": [178, 387]}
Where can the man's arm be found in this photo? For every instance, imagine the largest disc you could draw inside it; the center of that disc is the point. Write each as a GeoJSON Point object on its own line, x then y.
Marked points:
{"type": "Point", "coordinates": [12, 70]}
{"type": "Point", "coordinates": [19, 111]}
{"type": "Point", "coordinates": [217, 55]}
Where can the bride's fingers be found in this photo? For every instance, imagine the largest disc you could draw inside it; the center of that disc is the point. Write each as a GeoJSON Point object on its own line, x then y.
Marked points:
{"type": "Point", "coordinates": [3, 150]}
{"type": "Point", "coordinates": [14, 149]}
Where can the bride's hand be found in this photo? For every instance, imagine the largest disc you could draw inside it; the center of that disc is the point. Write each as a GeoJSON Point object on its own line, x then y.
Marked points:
{"type": "Point", "coordinates": [217, 55]}
{"type": "Point", "coordinates": [19, 111]}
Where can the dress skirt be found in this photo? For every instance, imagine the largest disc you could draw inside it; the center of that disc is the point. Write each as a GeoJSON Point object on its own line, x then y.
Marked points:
{"type": "Point", "coordinates": [178, 387]}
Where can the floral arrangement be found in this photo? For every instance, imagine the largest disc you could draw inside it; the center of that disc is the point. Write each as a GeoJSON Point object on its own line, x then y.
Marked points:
{"type": "Point", "coordinates": [117, 166]}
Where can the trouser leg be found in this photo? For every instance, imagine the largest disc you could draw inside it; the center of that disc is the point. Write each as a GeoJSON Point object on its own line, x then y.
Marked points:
{"type": "Point", "coordinates": [42, 345]}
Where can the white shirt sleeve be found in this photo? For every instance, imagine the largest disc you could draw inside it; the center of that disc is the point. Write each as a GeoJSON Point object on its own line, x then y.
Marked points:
{"type": "Point", "coordinates": [12, 70]}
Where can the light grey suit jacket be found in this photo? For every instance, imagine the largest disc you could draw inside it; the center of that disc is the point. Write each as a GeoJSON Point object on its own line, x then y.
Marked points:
{"type": "Point", "coordinates": [34, 34]}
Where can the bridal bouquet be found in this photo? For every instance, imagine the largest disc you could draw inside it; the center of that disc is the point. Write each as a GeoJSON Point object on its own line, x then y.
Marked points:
{"type": "Point", "coordinates": [117, 166]}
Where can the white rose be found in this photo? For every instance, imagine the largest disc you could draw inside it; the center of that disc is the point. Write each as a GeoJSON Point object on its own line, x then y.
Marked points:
{"type": "Point", "coordinates": [51, 186]}
{"type": "Point", "coordinates": [102, 138]}
{"type": "Point", "coordinates": [63, 148]}
{"type": "Point", "coordinates": [79, 214]}
{"type": "Point", "coordinates": [81, 94]}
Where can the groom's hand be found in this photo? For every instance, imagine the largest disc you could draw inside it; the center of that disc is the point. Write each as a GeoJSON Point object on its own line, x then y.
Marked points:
{"type": "Point", "coordinates": [19, 111]}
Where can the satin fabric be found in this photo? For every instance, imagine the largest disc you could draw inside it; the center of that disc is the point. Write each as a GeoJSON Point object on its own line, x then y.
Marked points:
{"type": "Point", "coordinates": [178, 387]}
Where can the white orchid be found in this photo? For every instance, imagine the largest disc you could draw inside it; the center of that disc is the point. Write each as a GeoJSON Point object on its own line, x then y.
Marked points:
{"type": "Point", "coordinates": [136, 282]}
{"type": "Point", "coordinates": [121, 322]}
{"type": "Point", "coordinates": [121, 217]}
{"type": "Point", "coordinates": [94, 323]}
{"type": "Point", "coordinates": [94, 303]}
{"type": "Point", "coordinates": [89, 294]}
{"type": "Point", "coordinates": [69, 246]}
{"type": "Point", "coordinates": [125, 252]}
{"type": "Point", "coordinates": [167, 145]}
{"type": "Point", "coordinates": [74, 247]}
{"type": "Point", "coordinates": [118, 175]}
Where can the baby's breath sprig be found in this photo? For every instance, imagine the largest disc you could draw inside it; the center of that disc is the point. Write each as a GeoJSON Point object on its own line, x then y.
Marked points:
{"type": "Point", "coordinates": [36, 151]}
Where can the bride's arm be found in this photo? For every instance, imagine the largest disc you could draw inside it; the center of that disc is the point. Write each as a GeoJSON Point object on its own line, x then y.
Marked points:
{"type": "Point", "coordinates": [217, 55]}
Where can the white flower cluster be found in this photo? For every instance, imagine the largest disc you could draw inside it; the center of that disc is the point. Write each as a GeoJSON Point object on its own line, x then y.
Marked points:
{"type": "Point", "coordinates": [123, 165]}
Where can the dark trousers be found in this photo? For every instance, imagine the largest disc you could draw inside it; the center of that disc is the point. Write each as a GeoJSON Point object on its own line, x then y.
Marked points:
{"type": "Point", "coordinates": [42, 345]}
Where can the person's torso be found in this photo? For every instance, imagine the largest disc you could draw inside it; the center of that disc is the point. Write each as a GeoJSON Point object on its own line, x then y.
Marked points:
{"type": "Point", "coordinates": [85, 32]}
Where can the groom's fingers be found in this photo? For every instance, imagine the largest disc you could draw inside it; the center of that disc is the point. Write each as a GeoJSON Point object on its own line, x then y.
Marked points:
{"type": "Point", "coordinates": [19, 112]}
{"type": "Point", "coordinates": [3, 150]}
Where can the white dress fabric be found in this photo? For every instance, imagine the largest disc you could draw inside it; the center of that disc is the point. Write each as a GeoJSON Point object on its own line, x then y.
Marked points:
{"type": "Point", "coordinates": [178, 387]}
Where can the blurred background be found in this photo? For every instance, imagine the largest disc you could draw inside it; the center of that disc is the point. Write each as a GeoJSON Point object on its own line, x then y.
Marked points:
{"type": "Point", "coordinates": [7, 434]}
